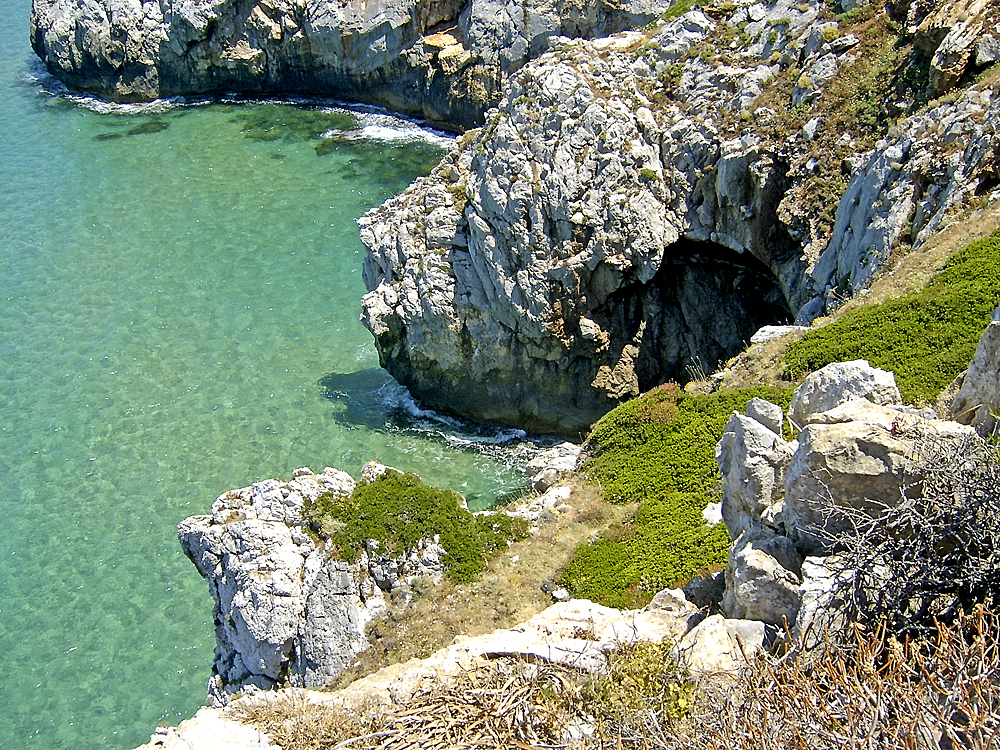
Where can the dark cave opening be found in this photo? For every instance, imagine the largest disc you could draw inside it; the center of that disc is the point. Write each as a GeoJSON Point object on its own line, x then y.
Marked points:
{"type": "Point", "coordinates": [699, 310]}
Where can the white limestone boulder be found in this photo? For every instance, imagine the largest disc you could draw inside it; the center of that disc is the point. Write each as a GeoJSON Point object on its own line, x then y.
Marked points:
{"type": "Point", "coordinates": [978, 398]}
{"type": "Point", "coordinates": [838, 383]}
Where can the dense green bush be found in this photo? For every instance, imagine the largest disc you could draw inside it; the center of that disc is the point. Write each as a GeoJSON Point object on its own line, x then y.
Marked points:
{"type": "Point", "coordinates": [665, 441]}
{"type": "Point", "coordinates": [657, 450]}
{"type": "Point", "coordinates": [664, 542]}
{"type": "Point", "coordinates": [926, 338]}
{"type": "Point", "coordinates": [397, 510]}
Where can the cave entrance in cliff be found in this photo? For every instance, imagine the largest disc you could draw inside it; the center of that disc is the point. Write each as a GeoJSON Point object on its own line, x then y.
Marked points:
{"type": "Point", "coordinates": [699, 310]}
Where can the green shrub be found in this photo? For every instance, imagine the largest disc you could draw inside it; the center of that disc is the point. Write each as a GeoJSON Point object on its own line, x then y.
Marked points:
{"type": "Point", "coordinates": [664, 542]}
{"type": "Point", "coordinates": [926, 338]}
{"type": "Point", "coordinates": [397, 510]}
{"type": "Point", "coordinates": [664, 441]}
{"type": "Point", "coordinates": [680, 7]}
{"type": "Point", "coordinates": [657, 450]}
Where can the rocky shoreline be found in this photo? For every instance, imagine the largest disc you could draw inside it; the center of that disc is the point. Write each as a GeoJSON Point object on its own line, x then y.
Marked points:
{"type": "Point", "coordinates": [445, 62]}
{"type": "Point", "coordinates": [635, 207]}
{"type": "Point", "coordinates": [633, 211]}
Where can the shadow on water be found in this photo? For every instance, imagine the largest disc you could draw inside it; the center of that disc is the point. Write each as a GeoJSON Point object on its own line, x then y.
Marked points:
{"type": "Point", "coordinates": [385, 163]}
{"type": "Point", "coordinates": [372, 398]}
{"type": "Point", "coordinates": [152, 126]}
{"type": "Point", "coordinates": [280, 122]}
{"type": "Point", "coordinates": [358, 398]}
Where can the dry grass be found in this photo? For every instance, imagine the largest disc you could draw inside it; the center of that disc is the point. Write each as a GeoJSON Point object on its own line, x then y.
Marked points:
{"type": "Point", "coordinates": [876, 694]}
{"type": "Point", "coordinates": [508, 592]}
{"type": "Point", "coordinates": [882, 694]}
{"type": "Point", "coordinates": [505, 703]}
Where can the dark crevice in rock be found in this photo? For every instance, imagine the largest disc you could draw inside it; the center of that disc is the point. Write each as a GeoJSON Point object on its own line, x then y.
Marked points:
{"type": "Point", "coordinates": [700, 309]}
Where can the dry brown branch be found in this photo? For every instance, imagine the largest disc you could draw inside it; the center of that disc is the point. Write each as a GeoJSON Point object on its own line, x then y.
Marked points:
{"type": "Point", "coordinates": [930, 556]}
{"type": "Point", "coordinates": [879, 693]}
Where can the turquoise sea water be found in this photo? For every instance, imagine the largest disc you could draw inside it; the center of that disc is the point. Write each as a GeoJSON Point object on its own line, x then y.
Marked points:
{"type": "Point", "coordinates": [178, 315]}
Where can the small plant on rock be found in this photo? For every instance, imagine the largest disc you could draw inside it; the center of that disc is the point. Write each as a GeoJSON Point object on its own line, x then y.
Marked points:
{"type": "Point", "coordinates": [398, 510]}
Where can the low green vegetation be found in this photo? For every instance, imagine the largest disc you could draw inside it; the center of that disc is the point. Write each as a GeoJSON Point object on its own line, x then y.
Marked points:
{"type": "Point", "coordinates": [680, 7]}
{"type": "Point", "coordinates": [926, 338]}
{"type": "Point", "coordinates": [642, 678]}
{"type": "Point", "coordinates": [398, 510]}
{"type": "Point", "coordinates": [658, 451]}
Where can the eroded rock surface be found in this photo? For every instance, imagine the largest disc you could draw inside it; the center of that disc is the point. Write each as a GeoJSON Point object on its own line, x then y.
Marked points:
{"type": "Point", "coordinates": [284, 610]}
{"type": "Point", "coordinates": [444, 60]}
{"type": "Point", "coordinates": [630, 214]}
{"type": "Point", "coordinates": [784, 501]}
{"type": "Point", "coordinates": [977, 401]}
{"type": "Point", "coordinates": [576, 633]}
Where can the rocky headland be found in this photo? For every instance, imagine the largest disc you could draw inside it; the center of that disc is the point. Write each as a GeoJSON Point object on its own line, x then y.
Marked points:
{"type": "Point", "coordinates": [637, 207]}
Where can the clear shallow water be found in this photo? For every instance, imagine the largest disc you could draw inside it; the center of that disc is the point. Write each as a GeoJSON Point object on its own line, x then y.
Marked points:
{"type": "Point", "coordinates": [178, 315]}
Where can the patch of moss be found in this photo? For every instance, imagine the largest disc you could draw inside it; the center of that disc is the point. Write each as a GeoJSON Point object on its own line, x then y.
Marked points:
{"type": "Point", "coordinates": [680, 7]}
{"type": "Point", "coordinates": [926, 338]}
{"type": "Point", "coordinates": [657, 450]}
{"type": "Point", "coordinates": [397, 510]}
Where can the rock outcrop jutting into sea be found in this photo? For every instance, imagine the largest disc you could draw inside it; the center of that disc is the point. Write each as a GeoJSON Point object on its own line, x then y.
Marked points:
{"type": "Point", "coordinates": [285, 611]}
{"type": "Point", "coordinates": [443, 60]}
{"type": "Point", "coordinates": [636, 208]}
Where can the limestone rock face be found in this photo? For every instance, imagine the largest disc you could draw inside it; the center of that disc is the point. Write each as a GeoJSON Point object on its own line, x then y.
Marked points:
{"type": "Point", "coordinates": [714, 644]}
{"type": "Point", "coordinates": [209, 729]}
{"type": "Point", "coordinates": [954, 33]}
{"type": "Point", "coordinates": [553, 464]}
{"type": "Point", "coordinates": [978, 397]}
{"type": "Point", "coordinates": [839, 383]}
{"type": "Point", "coordinates": [752, 460]}
{"type": "Point", "coordinates": [444, 60]}
{"type": "Point", "coordinates": [763, 579]}
{"type": "Point", "coordinates": [284, 610]}
{"type": "Point", "coordinates": [586, 245]}
{"type": "Point", "coordinates": [859, 450]}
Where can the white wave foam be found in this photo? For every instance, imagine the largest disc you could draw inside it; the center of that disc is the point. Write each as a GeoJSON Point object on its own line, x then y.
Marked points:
{"type": "Point", "coordinates": [377, 125]}
{"type": "Point", "coordinates": [452, 430]}
{"type": "Point", "coordinates": [373, 123]}
{"type": "Point", "coordinates": [405, 134]}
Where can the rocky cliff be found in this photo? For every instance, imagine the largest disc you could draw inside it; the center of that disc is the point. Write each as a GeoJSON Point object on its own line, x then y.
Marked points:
{"type": "Point", "coordinates": [636, 207]}
{"type": "Point", "coordinates": [285, 611]}
{"type": "Point", "coordinates": [443, 60]}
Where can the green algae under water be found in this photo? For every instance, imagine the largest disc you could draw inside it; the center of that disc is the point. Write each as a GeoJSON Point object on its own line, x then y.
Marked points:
{"type": "Point", "coordinates": [179, 301]}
